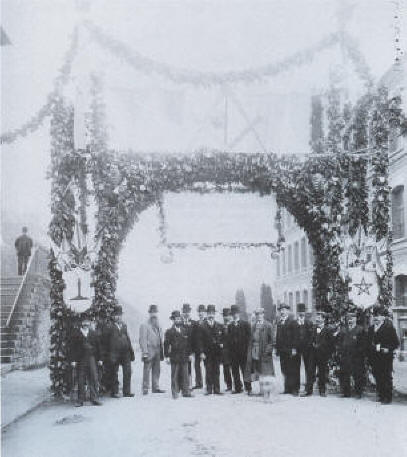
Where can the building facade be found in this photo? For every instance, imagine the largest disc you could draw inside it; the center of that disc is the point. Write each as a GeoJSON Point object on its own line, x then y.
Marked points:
{"type": "Point", "coordinates": [293, 266]}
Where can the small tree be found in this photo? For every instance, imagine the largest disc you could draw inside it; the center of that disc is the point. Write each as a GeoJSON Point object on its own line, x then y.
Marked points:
{"type": "Point", "coordinates": [240, 300]}
{"type": "Point", "coordinates": [266, 302]}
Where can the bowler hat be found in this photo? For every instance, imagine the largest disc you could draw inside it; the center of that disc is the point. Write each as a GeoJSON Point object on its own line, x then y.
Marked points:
{"type": "Point", "coordinates": [380, 311]}
{"type": "Point", "coordinates": [153, 309]}
{"type": "Point", "coordinates": [118, 310]}
{"type": "Point", "coordinates": [283, 306]}
{"type": "Point", "coordinates": [201, 309]}
{"type": "Point", "coordinates": [226, 312]}
{"type": "Point", "coordinates": [211, 309]}
{"type": "Point", "coordinates": [175, 314]}
{"type": "Point", "coordinates": [186, 308]}
{"type": "Point", "coordinates": [301, 308]}
{"type": "Point", "coordinates": [234, 309]}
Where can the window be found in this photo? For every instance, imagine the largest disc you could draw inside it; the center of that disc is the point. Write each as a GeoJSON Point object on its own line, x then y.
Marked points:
{"type": "Point", "coordinates": [290, 299]}
{"type": "Point", "coordinates": [285, 298]}
{"type": "Point", "coordinates": [303, 253]}
{"type": "Point", "coordinates": [278, 266]}
{"type": "Point", "coordinates": [401, 290]}
{"type": "Point", "coordinates": [305, 297]}
{"type": "Point", "coordinates": [283, 259]}
{"type": "Point", "coordinates": [397, 211]}
{"type": "Point", "coordinates": [297, 297]}
{"type": "Point", "coordinates": [296, 256]}
{"type": "Point", "coordinates": [290, 259]}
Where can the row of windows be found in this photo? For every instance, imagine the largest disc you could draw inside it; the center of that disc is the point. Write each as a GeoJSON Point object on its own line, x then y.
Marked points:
{"type": "Point", "coordinates": [294, 297]}
{"type": "Point", "coordinates": [397, 212]}
{"type": "Point", "coordinates": [295, 257]}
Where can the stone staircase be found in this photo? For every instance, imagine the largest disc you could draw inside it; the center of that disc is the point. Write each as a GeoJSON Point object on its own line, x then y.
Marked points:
{"type": "Point", "coordinates": [25, 334]}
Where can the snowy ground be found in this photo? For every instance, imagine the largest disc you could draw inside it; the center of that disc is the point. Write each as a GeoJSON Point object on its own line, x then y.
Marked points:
{"type": "Point", "coordinates": [232, 425]}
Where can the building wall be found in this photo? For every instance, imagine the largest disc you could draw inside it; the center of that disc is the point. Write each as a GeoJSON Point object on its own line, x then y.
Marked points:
{"type": "Point", "coordinates": [293, 267]}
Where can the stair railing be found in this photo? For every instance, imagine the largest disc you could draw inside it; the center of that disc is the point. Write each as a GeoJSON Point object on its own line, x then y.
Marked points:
{"type": "Point", "coordinates": [21, 286]}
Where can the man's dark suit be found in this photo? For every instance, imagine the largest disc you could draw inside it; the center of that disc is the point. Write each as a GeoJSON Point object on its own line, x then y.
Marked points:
{"type": "Point", "coordinates": [239, 337]}
{"type": "Point", "coordinates": [121, 353]}
{"type": "Point", "coordinates": [283, 350]}
{"type": "Point", "coordinates": [212, 344]}
{"type": "Point", "coordinates": [382, 360]}
{"type": "Point", "coordinates": [323, 345]}
{"type": "Point", "coordinates": [85, 351]}
{"type": "Point", "coordinates": [197, 349]}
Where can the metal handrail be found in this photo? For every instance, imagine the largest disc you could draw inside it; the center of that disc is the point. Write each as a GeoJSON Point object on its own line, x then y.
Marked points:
{"type": "Point", "coordinates": [20, 288]}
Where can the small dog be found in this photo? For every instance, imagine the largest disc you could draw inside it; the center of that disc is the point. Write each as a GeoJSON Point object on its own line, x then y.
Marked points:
{"type": "Point", "coordinates": [268, 387]}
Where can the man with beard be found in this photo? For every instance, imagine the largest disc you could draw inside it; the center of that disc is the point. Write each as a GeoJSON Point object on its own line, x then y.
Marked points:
{"type": "Point", "coordinates": [212, 346]}
{"type": "Point", "coordinates": [323, 345]}
{"type": "Point", "coordinates": [188, 324]}
{"type": "Point", "coordinates": [283, 349]}
{"type": "Point", "coordinates": [152, 353]}
{"type": "Point", "coordinates": [197, 342]}
{"type": "Point", "coordinates": [177, 351]}
{"type": "Point", "coordinates": [85, 354]}
{"type": "Point", "coordinates": [226, 351]}
{"type": "Point", "coordinates": [239, 337]}
{"type": "Point", "coordinates": [352, 350]}
{"type": "Point", "coordinates": [300, 334]}
{"type": "Point", "coordinates": [383, 341]}
{"type": "Point", "coordinates": [121, 353]}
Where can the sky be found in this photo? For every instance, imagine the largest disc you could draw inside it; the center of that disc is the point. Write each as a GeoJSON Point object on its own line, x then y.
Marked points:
{"type": "Point", "coordinates": [148, 113]}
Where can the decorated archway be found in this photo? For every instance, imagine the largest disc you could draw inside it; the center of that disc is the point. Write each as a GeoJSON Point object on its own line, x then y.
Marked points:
{"type": "Point", "coordinates": [326, 193]}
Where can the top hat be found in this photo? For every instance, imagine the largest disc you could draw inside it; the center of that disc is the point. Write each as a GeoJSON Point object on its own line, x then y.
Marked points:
{"type": "Point", "coordinates": [186, 308]}
{"type": "Point", "coordinates": [201, 309]}
{"type": "Point", "coordinates": [153, 309]}
{"type": "Point", "coordinates": [175, 314]}
{"type": "Point", "coordinates": [211, 309]}
{"type": "Point", "coordinates": [234, 309]}
{"type": "Point", "coordinates": [118, 311]}
{"type": "Point", "coordinates": [259, 311]}
{"type": "Point", "coordinates": [301, 308]}
{"type": "Point", "coordinates": [226, 312]}
{"type": "Point", "coordinates": [283, 306]}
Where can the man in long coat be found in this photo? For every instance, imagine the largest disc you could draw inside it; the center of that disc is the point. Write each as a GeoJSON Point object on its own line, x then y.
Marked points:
{"type": "Point", "coordinates": [151, 344]}
{"type": "Point", "coordinates": [189, 324]}
{"type": "Point", "coordinates": [300, 333]}
{"type": "Point", "coordinates": [84, 355]}
{"type": "Point", "coordinates": [226, 350]}
{"type": "Point", "coordinates": [121, 353]}
{"type": "Point", "coordinates": [239, 339]}
{"type": "Point", "coordinates": [323, 345]}
{"type": "Point", "coordinates": [383, 341]}
{"type": "Point", "coordinates": [178, 352]}
{"type": "Point", "coordinates": [352, 349]}
{"type": "Point", "coordinates": [23, 245]}
{"type": "Point", "coordinates": [197, 345]}
{"type": "Point", "coordinates": [283, 349]}
{"type": "Point", "coordinates": [212, 346]}
{"type": "Point", "coordinates": [260, 350]}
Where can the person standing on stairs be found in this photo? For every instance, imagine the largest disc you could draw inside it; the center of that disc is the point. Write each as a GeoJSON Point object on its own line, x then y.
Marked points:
{"type": "Point", "coordinates": [23, 245]}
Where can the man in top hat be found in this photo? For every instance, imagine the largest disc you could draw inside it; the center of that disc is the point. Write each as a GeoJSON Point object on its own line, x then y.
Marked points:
{"type": "Point", "coordinates": [383, 341]}
{"type": "Point", "coordinates": [197, 342]}
{"type": "Point", "coordinates": [300, 336]}
{"type": "Point", "coordinates": [85, 354]}
{"type": "Point", "coordinates": [188, 324]}
{"type": "Point", "coordinates": [239, 338]}
{"type": "Point", "coordinates": [178, 352]}
{"type": "Point", "coordinates": [212, 346]}
{"type": "Point", "coordinates": [283, 348]}
{"type": "Point", "coordinates": [23, 245]}
{"type": "Point", "coordinates": [323, 345]}
{"type": "Point", "coordinates": [152, 353]}
{"type": "Point", "coordinates": [226, 351]}
{"type": "Point", "coordinates": [121, 353]}
{"type": "Point", "coordinates": [352, 349]}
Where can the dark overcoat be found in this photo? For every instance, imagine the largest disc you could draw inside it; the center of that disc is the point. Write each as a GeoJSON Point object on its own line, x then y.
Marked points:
{"type": "Point", "coordinates": [266, 343]}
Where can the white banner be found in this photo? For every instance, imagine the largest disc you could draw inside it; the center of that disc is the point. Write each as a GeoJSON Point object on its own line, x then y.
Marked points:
{"type": "Point", "coordinates": [363, 287]}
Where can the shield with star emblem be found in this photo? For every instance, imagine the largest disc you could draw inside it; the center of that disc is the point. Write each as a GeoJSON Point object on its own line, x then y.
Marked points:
{"type": "Point", "coordinates": [363, 287]}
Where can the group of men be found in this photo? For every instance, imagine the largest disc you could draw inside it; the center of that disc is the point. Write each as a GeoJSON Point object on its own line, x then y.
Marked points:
{"type": "Point", "coordinates": [315, 343]}
{"type": "Point", "coordinates": [244, 349]}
